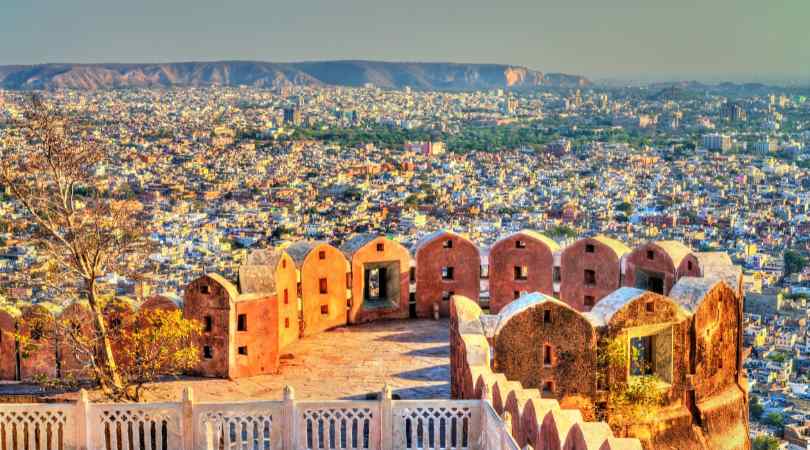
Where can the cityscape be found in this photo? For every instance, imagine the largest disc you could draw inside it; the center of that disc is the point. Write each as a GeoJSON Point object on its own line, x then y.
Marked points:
{"type": "Point", "coordinates": [366, 254]}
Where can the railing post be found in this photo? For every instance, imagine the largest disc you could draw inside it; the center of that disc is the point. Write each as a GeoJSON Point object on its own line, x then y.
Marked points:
{"type": "Point", "coordinates": [82, 417]}
{"type": "Point", "coordinates": [289, 429]}
{"type": "Point", "coordinates": [386, 418]}
{"type": "Point", "coordinates": [187, 425]}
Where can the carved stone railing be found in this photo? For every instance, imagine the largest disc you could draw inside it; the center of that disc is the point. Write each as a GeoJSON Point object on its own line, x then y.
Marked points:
{"type": "Point", "coordinates": [268, 425]}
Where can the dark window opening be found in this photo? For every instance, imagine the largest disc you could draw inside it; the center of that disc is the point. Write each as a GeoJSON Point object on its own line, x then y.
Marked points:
{"type": "Point", "coordinates": [546, 316]}
{"type": "Point", "coordinates": [446, 295]}
{"type": "Point", "coordinates": [208, 352]}
{"type": "Point", "coordinates": [286, 296]}
{"type": "Point", "coordinates": [286, 322]}
{"type": "Point", "coordinates": [548, 358]}
{"type": "Point", "coordinates": [380, 247]}
{"type": "Point", "coordinates": [656, 285]}
{"type": "Point", "coordinates": [555, 275]}
{"type": "Point", "coordinates": [649, 307]}
{"type": "Point", "coordinates": [589, 301]}
{"type": "Point", "coordinates": [413, 274]}
{"type": "Point", "coordinates": [325, 310]}
{"type": "Point", "coordinates": [37, 332]}
{"type": "Point", "coordinates": [520, 244]}
{"type": "Point", "coordinates": [205, 289]}
{"type": "Point", "coordinates": [241, 322]}
{"type": "Point", "coordinates": [517, 295]}
{"type": "Point", "coordinates": [688, 265]}
{"type": "Point", "coordinates": [650, 254]}
{"type": "Point", "coordinates": [590, 277]}
{"type": "Point", "coordinates": [209, 324]}
{"type": "Point", "coordinates": [521, 273]}
{"type": "Point", "coordinates": [283, 263]}
{"type": "Point", "coordinates": [589, 248]}
{"type": "Point", "coordinates": [447, 273]}
{"type": "Point", "coordinates": [548, 387]}
{"type": "Point", "coordinates": [321, 254]}
{"type": "Point", "coordinates": [322, 286]}
{"type": "Point", "coordinates": [242, 350]}
{"type": "Point", "coordinates": [448, 244]}
{"type": "Point", "coordinates": [376, 284]}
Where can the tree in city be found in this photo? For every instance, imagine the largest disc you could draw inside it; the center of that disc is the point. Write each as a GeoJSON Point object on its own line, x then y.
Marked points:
{"type": "Point", "coordinates": [755, 409]}
{"type": "Point", "coordinates": [765, 442]}
{"type": "Point", "coordinates": [794, 262]}
{"type": "Point", "coordinates": [53, 168]}
{"type": "Point", "coordinates": [775, 419]}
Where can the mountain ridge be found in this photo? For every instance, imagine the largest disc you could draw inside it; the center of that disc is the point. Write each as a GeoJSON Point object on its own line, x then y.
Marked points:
{"type": "Point", "coordinates": [384, 74]}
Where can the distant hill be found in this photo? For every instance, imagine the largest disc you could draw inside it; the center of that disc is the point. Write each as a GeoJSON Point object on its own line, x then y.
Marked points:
{"type": "Point", "coordinates": [427, 76]}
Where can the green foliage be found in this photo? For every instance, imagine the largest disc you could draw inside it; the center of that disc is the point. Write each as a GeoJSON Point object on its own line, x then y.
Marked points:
{"type": "Point", "coordinates": [625, 207]}
{"type": "Point", "coordinates": [755, 409]}
{"type": "Point", "coordinates": [774, 419]}
{"type": "Point", "coordinates": [794, 262]}
{"type": "Point", "coordinates": [632, 401]}
{"type": "Point", "coordinates": [764, 442]}
{"type": "Point", "coordinates": [562, 231]}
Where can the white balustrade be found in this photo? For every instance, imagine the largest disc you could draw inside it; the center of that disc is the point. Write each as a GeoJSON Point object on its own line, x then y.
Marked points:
{"type": "Point", "coordinates": [255, 425]}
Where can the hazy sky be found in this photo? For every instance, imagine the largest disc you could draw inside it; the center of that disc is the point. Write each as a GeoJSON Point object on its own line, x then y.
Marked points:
{"type": "Point", "coordinates": [631, 39]}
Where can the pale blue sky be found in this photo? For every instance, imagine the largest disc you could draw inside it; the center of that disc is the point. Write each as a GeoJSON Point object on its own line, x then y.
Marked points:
{"type": "Point", "coordinates": [636, 39]}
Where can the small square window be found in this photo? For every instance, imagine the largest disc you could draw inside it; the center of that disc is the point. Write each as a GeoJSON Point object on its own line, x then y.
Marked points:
{"type": "Point", "coordinates": [589, 248]}
{"type": "Point", "coordinates": [589, 301]}
{"type": "Point", "coordinates": [546, 316]}
{"type": "Point", "coordinates": [209, 324]}
{"type": "Point", "coordinates": [322, 286]}
{"type": "Point", "coordinates": [521, 273]}
{"type": "Point", "coordinates": [448, 244]}
{"type": "Point", "coordinates": [447, 273]}
{"type": "Point", "coordinates": [241, 322]}
{"type": "Point", "coordinates": [205, 289]}
{"type": "Point", "coordinates": [380, 247]}
{"type": "Point", "coordinates": [325, 310]}
{"type": "Point", "coordinates": [208, 352]}
{"type": "Point", "coordinates": [590, 277]}
{"type": "Point", "coordinates": [650, 254]}
{"type": "Point", "coordinates": [649, 307]}
{"type": "Point", "coordinates": [520, 244]}
{"type": "Point", "coordinates": [321, 254]}
{"type": "Point", "coordinates": [548, 387]}
{"type": "Point", "coordinates": [242, 350]}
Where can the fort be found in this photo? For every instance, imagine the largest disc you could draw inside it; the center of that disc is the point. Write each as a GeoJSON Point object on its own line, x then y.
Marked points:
{"type": "Point", "coordinates": [536, 357]}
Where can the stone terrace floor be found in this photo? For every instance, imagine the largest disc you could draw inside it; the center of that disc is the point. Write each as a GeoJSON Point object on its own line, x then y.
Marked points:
{"type": "Point", "coordinates": [351, 362]}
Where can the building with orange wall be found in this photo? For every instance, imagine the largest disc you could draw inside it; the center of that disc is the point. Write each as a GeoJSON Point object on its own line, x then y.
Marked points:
{"type": "Point", "coordinates": [323, 287]}
{"type": "Point", "coordinates": [519, 263]}
{"type": "Point", "coordinates": [239, 334]}
{"type": "Point", "coordinates": [273, 272]}
{"type": "Point", "coordinates": [657, 266]}
{"type": "Point", "coordinates": [590, 269]}
{"type": "Point", "coordinates": [380, 278]}
{"type": "Point", "coordinates": [8, 344]}
{"type": "Point", "coordinates": [447, 264]}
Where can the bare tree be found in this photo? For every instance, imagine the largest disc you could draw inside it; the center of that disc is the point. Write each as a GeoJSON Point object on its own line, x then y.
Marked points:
{"type": "Point", "coordinates": [53, 171]}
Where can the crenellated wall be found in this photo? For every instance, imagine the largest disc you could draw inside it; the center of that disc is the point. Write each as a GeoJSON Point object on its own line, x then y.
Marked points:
{"type": "Point", "coordinates": [539, 422]}
{"type": "Point", "coordinates": [541, 349]}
